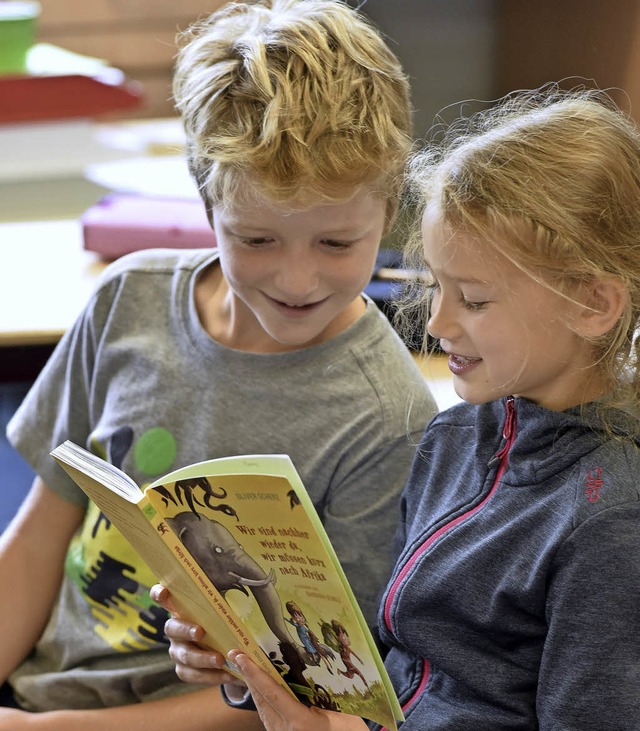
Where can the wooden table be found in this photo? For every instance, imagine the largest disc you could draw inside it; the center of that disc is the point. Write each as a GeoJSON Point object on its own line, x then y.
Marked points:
{"type": "Point", "coordinates": [46, 277]}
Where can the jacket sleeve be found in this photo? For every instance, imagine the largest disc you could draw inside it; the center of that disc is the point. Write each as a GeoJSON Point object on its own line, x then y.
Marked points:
{"type": "Point", "coordinates": [233, 699]}
{"type": "Point", "coordinates": [590, 669]}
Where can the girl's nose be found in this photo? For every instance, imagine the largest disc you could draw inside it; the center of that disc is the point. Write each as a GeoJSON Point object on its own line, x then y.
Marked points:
{"type": "Point", "coordinates": [442, 324]}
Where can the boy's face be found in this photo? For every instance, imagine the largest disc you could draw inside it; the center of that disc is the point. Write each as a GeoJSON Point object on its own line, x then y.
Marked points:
{"type": "Point", "coordinates": [295, 276]}
{"type": "Point", "coordinates": [505, 333]}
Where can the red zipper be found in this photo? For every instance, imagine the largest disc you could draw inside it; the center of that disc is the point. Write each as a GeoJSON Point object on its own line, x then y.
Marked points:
{"type": "Point", "coordinates": [509, 435]}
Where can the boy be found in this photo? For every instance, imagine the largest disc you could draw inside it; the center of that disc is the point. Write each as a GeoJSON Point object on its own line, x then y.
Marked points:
{"type": "Point", "coordinates": [298, 124]}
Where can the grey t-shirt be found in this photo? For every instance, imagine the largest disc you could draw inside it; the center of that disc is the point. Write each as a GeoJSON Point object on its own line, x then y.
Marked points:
{"type": "Point", "coordinates": [138, 380]}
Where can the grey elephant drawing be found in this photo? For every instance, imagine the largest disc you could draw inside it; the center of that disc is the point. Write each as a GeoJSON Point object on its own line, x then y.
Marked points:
{"type": "Point", "coordinates": [228, 566]}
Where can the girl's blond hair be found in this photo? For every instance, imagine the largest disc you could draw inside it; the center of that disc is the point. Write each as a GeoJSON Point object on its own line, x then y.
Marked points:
{"type": "Point", "coordinates": [551, 179]}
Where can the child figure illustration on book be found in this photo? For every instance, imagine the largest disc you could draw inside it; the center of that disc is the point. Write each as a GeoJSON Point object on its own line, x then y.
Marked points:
{"type": "Point", "coordinates": [344, 643]}
{"type": "Point", "coordinates": [315, 650]}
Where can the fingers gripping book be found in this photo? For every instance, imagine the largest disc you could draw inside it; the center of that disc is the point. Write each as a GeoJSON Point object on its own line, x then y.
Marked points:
{"type": "Point", "coordinates": [238, 543]}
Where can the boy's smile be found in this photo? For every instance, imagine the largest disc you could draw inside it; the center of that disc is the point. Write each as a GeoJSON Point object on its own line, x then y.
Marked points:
{"type": "Point", "coordinates": [291, 278]}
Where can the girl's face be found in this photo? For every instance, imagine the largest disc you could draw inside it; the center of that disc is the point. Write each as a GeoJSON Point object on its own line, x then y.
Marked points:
{"type": "Point", "coordinates": [294, 277]}
{"type": "Point", "coordinates": [504, 333]}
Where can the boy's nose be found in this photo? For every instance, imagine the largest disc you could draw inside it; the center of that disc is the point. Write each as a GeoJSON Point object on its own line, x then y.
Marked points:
{"type": "Point", "coordinates": [297, 277]}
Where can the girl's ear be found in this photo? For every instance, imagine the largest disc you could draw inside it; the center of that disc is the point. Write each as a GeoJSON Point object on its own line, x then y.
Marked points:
{"type": "Point", "coordinates": [603, 300]}
{"type": "Point", "coordinates": [390, 216]}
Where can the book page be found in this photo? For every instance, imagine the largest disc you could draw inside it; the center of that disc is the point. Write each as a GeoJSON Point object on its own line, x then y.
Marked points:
{"type": "Point", "coordinates": [101, 474]}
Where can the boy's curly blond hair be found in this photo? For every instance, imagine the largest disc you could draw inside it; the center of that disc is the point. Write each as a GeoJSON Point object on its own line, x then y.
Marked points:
{"type": "Point", "coordinates": [299, 100]}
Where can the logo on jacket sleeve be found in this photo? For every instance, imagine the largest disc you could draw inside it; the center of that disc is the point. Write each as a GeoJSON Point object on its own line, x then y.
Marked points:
{"type": "Point", "coordinates": [594, 483]}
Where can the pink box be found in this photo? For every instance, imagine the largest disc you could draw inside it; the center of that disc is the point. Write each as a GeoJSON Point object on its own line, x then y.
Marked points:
{"type": "Point", "coordinates": [119, 224]}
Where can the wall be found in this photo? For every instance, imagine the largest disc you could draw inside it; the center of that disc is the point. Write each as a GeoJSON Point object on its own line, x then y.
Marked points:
{"type": "Point", "coordinates": [570, 41]}
{"type": "Point", "coordinates": [446, 45]}
{"type": "Point", "coordinates": [136, 36]}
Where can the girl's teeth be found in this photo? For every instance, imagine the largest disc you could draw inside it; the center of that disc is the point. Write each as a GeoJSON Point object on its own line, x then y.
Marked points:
{"type": "Point", "coordinates": [462, 360]}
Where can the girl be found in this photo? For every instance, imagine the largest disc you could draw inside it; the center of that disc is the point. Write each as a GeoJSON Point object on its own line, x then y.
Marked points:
{"type": "Point", "coordinates": [514, 602]}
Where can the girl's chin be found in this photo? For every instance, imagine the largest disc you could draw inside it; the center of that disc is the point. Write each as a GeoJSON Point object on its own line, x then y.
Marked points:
{"type": "Point", "coordinates": [475, 396]}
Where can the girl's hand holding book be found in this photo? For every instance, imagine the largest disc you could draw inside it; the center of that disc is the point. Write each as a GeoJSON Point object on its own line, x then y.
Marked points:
{"type": "Point", "coordinates": [279, 711]}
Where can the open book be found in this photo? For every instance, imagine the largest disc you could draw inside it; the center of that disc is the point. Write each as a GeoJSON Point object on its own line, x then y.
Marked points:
{"type": "Point", "coordinates": [239, 545]}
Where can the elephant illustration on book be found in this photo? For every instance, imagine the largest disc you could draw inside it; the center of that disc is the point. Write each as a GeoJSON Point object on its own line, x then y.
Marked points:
{"type": "Point", "coordinates": [228, 566]}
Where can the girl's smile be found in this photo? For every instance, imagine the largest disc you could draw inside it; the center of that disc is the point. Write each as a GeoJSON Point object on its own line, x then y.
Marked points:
{"type": "Point", "coordinates": [459, 364]}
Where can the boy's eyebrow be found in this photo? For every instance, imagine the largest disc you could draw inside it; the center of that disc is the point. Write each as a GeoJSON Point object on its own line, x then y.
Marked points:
{"type": "Point", "coordinates": [233, 224]}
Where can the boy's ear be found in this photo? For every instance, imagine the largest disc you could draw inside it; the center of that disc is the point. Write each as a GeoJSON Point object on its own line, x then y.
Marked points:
{"type": "Point", "coordinates": [603, 300]}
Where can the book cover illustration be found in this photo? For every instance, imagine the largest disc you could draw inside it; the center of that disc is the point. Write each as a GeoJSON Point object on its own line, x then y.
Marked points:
{"type": "Point", "coordinates": [268, 557]}
{"type": "Point", "coordinates": [126, 506]}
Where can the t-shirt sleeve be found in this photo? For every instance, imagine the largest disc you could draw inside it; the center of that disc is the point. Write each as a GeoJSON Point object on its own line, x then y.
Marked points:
{"type": "Point", "coordinates": [59, 404]}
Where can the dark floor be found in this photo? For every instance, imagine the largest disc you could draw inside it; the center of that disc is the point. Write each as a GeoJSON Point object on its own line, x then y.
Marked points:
{"type": "Point", "coordinates": [15, 474]}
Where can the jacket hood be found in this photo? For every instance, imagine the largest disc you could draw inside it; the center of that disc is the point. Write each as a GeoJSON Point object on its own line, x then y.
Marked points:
{"type": "Point", "coordinates": [557, 438]}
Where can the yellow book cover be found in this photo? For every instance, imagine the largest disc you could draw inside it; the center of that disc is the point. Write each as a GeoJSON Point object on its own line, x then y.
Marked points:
{"type": "Point", "coordinates": [244, 540]}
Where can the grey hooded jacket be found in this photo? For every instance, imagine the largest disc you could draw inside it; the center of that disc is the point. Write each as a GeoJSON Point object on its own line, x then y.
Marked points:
{"type": "Point", "coordinates": [515, 602]}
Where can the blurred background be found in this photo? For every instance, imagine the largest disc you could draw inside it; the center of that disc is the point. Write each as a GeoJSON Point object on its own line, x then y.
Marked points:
{"type": "Point", "coordinates": [89, 141]}
{"type": "Point", "coordinates": [452, 49]}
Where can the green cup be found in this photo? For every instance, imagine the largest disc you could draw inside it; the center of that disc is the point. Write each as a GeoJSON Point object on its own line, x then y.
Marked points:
{"type": "Point", "coordinates": [17, 34]}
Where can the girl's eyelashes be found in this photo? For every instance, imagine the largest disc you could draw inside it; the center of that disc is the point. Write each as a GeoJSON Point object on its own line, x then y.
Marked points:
{"type": "Point", "coordinates": [430, 282]}
{"type": "Point", "coordinates": [469, 305]}
{"type": "Point", "coordinates": [433, 286]}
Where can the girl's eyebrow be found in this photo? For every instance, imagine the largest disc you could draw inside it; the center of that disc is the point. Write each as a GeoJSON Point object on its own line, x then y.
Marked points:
{"type": "Point", "coordinates": [460, 280]}
{"type": "Point", "coordinates": [471, 280]}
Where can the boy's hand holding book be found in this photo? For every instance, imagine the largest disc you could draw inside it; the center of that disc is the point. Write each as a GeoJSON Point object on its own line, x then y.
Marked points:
{"type": "Point", "coordinates": [194, 663]}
